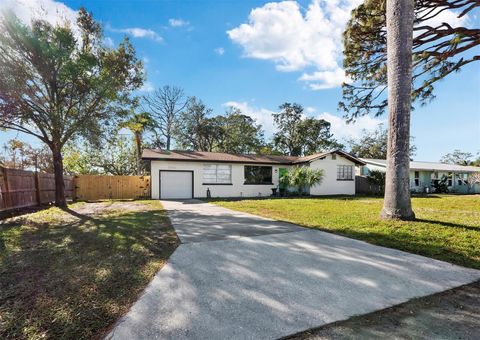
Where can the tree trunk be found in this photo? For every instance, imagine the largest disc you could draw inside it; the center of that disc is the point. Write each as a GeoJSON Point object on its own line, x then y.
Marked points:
{"type": "Point", "coordinates": [138, 142]}
{"type": "Point", "coordinates": [400, 15]}
{"type": "Point", "coordinates": [168, 142]}
{"type": "Point", "coordinates": [60, 200]}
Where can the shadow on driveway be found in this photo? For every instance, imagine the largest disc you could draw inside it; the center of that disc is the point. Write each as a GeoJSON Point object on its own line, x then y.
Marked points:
{"type": "Point", "coordinates": [273, 285]}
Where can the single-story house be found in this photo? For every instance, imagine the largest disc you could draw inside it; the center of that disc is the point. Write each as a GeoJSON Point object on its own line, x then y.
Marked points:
{"type": "Point", "coordinates": [424, 174]}
{"type": "Point", "coordinates": [190, 174]}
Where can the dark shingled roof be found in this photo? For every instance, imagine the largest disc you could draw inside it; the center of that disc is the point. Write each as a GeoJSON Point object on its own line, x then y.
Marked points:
{"type": "Point", "coordinates": [202, 156]}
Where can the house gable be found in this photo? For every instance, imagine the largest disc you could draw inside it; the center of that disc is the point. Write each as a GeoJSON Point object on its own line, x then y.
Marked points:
{"type": "Point", "coordinates": [333, 165]}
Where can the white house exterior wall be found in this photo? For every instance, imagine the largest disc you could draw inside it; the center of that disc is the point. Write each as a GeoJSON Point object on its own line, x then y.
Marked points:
{"type": "Point", "coordinates": [330, 185]}
{"type": "Point", "coordinates": [236, 189]}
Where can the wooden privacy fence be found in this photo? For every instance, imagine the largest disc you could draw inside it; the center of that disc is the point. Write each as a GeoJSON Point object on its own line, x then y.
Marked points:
{"type": "Point", "coordinates": [94, 187]}
{"type": "Point", "coordinates": [22, 188]}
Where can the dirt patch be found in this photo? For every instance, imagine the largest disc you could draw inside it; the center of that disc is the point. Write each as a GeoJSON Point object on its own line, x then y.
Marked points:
{"type": "Point", "coordinates": [454, 314]}
{"type": "Point", "coordinates": [95, 208]}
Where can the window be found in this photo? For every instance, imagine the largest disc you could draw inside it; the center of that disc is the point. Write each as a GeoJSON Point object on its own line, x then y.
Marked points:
{"type": "Point", "coordinates": [462, 179]}
{"type": "Point", "coordinates": [450, 179]}
{"type": "Point", "coordinates": [258, 174]}
{"type": "Point", "coordinates": [334, 156]}
{"type": "Point", "coordinates": [217, 174]}
{"type": "Point", "coordinates": [344, 172]}
{"type": "Point", "coordinates": [417, 178]}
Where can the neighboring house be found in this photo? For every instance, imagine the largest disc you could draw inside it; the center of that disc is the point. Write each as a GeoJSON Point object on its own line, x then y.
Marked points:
{"type": "Point", "coordinates": [189, 174]}
{"type": "Point", "coordinates": [424, 174]}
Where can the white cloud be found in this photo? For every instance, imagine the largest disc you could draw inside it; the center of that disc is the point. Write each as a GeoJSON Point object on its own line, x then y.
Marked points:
{"type": "Point", "coordinates": [147, 87]}
{"type": "Point", "coordinates": [178, 22]}
{"type": "Point", "coordinates": [261, 115]}
{"type": "Point", "coordinates": [108, 42]}
{"type": "Point", "coordinates": [52, 11]}
{"type": "Point", "coordinates": [219, 51]}
{"type": "Point", "coordinates": [342, 131]}
{"type": "Point", "coordinates": [298, 40]}
{"type": "Point", "coordinates": [138, 32]}
{"type": "Point", "coordinates": [307, 40]}
{"type": "Point", "coordinates": [320, 80]}
{"type": "Point", "coordinates": [56, 13]}
{"type": "Point", "coordinates": [449, 17]}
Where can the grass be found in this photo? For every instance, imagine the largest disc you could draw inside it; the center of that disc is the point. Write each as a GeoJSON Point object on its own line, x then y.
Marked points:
{"type": "Point", "coordinates": [447, 226]}
{"type": "Point", "coordinates": [68, 275]}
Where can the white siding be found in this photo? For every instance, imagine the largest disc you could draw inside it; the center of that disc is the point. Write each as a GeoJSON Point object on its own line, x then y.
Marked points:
{"type": "Point", "coordinates": [330, 185]}
{"type": "Point", "coordinates": [237, 189]}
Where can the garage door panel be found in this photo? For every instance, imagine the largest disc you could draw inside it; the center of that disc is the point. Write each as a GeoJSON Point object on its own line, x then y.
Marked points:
{"type": "Point", "coordinates": [176, 184]}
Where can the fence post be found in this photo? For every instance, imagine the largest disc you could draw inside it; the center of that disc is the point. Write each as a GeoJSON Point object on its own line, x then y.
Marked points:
{"type": "Point", "coordinates": [37, 188]}
{"type": "Point", "coordinates": [74, 187]}
{"type": "Point", "coordinates": [8, 198]}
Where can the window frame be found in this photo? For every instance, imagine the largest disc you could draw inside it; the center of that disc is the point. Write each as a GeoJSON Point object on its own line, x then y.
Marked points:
{"type": "Point", "coordinates": [245, 182]}
{"type": "Point", "coordinates": [346, 175]}
{"type": "Point", "coordinates": [216, 174]}
{"type": "Point", "coordinates": [416, 178]}
{"type": "Point", "coordinates": [450, 179]}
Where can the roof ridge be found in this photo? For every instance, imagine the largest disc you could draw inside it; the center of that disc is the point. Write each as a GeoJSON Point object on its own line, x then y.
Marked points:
{"type": "Point", "coordinates": [241, 158]}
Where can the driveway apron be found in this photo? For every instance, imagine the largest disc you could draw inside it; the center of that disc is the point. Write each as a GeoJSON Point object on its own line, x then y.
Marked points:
{"type": "Point", "coordinates": [239, 276]}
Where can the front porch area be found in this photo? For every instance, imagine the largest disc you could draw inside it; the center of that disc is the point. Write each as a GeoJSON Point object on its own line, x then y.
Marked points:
{"type": "Point", "coordinates": [427, 181]}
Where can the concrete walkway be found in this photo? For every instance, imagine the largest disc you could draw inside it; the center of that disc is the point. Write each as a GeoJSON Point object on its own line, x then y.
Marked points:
{"type": "Point", "coordinates": [239, 276]}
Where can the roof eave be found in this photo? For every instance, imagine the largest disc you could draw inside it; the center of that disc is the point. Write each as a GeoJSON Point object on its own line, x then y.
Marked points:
{"type": "Point", "coordinates": [340, 152]}
{"type": "Point", "coordinates": [213, 161]}
{"type": "Point", "coordinates": [292, 162]}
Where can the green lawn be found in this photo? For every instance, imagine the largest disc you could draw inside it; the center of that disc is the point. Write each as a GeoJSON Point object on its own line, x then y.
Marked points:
{"type": "Point", "coordinates": [447, 226]}
{"type": "Point", "coordinates": [72, 274]}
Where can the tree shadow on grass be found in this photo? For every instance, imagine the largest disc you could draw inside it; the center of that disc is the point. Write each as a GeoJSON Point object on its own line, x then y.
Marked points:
{"type": "Point", "coordinates": [437, 250]}
{"type": "Point", "coordinates": [329, 197]}
{"type": "Point", "coordinates": [448, 224]}
{"type": "Point", "coordinates": [73, 280]}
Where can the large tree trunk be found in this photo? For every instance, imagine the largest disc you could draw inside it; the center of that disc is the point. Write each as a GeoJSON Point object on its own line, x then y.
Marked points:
{"type": "Point", "coordinates": [60, 200]}
{"type": "Point", "coordinates": [400, 17]}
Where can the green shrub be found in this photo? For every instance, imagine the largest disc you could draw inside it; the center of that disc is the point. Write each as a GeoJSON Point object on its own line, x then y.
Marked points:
{"type": "Point", "coordinates": [441, 185]}
{"type": "Point", "coordinates": [302, 177]}
{"type": "Point", "coordinates": [377, 178]}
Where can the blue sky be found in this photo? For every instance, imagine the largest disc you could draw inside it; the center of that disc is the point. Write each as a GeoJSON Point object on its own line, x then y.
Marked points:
{"type": "Point", "coordinates": [257, 55]}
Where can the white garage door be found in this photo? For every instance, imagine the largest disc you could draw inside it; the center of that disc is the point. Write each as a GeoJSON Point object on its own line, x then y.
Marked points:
{"type": "Point", "coordinates": [175, 184]}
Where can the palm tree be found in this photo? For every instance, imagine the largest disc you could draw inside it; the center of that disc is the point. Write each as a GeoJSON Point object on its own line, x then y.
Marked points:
{"type": "Point", "coordinates": [302, 177]}
{"type": "Point", "coordinates": [139, 123]}
{"type": "Point", "coordinates": [400, 16]}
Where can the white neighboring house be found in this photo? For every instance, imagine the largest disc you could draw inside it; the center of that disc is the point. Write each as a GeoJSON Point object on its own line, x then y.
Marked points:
{"type": "Point", "coordinates": [424, 174]}
{"type": "Point", "coordinates": [190, 174]}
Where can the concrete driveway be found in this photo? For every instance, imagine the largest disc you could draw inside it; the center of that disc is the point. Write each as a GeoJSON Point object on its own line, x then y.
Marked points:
{"type": "Point", "coordinates": [238, 276]}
